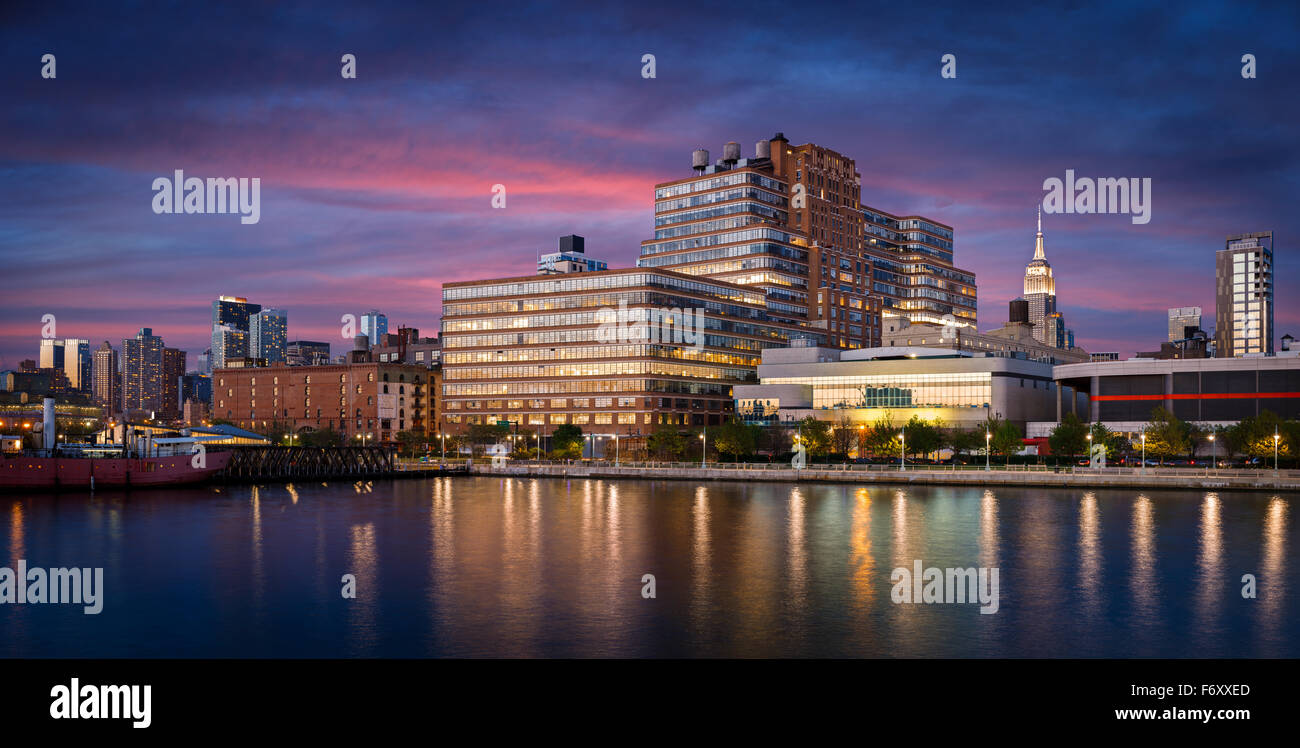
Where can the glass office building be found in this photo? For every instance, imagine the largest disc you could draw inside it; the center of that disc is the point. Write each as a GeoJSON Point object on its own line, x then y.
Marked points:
{"type": "Point", "coordinates": [613, 351]}
{"type": "Point", "coordinates": [1243, 307]}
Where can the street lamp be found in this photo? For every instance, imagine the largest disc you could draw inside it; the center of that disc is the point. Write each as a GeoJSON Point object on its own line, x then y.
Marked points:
{"type": "Point", "coordinates": [1089, 449]}
{"type": "Point", "coordinates": [1214, 453]}
{"type": "Point", "coordinates": [1276, 436]}
{"type": "Point", "coordinates": [988, 447]}
{"type": "Point", "coordinates": [1144, 451]}
{"type": "Point", "coordinates": [862, 439]}
{"type": "Point", "coordinates": [704, 449]}
{"type": "Point", "coordinates": [902, 451]}
{"type": "Point", "coordinates": [615, 450]}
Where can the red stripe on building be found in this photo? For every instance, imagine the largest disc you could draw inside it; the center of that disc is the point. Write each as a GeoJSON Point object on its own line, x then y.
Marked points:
{"type": "Point", "coordinates": [1207, 396]}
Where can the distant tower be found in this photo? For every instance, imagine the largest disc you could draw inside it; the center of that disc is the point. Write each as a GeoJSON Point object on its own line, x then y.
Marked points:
{"type": "Point", "coordinates": [1040, 288]}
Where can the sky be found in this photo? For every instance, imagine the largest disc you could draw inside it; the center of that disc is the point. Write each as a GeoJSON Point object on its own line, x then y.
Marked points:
{"type": "Point", "coordinates": [377, 190]}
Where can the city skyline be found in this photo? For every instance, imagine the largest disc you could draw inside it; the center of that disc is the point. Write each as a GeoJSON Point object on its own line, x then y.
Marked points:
{"type": "Point", "coordinates": [363, 211]}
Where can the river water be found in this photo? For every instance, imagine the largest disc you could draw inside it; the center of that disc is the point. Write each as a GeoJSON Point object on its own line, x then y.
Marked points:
{"type": "Point", "coordinates": [511, 567]}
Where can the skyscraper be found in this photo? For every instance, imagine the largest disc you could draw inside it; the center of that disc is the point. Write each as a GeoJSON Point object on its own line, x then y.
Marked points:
{"type": "Point", "coordinates": [76, 363]}
{"type": "Point", "coordinates": [142, 372]}
{"type": "Point", "coordinates": [173, 370]}
{"type": "Point", "coordinates": [374, 326]}
{"type": "Point", "coordinates": [1243, 295]}
{"type": "Point", "coordinates": [104, 383]}
{"type": "Point", "coordinates": [1040, 290]}
{"type": "Point", "coordinates": [268, 335]}
{"type": "Point", "coordinates": [230, 318]}
{"type": "Point", "coordinates": [51, 354]}
{"type": "Point", "coordinates": [1182, 318]}
{"type": "Point", "coordinates": [790, 221]}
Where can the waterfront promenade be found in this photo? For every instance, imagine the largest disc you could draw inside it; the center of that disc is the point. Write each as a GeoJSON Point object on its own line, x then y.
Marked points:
{"type": "Point", "coordinates": [961, 475]}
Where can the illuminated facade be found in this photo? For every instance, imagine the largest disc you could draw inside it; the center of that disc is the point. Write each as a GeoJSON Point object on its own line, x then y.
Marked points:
{"type": "Point", "coordinates": [1243, 306]}
{"type": "Point", "coordinates": [230, 319]}
{"type": "Point", "coordinates": [368, 402]}
{"type": "Point", "coordinates": [536, 350]}
{"type": "Point", "coordinates": [864, 386]}
{"type": "Point", "coordinates": [790, 221]}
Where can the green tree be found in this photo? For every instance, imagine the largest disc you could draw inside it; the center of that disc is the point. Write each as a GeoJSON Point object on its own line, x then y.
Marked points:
{"type": "Point", "coordinates": [735, 438]}
{"type": "Point", "coordinates": [1113, 442]}
{"type": "Point", "coordinates": [965, 441]}
{"type": "Point", "coordinates": [480, 435]}
{"type": "Point", "coordinates": [816, 436]}
{"type": "Point", "coordinates": [882, 436]}
{"type": "Point", "coordinates": [566, 441]}
{"type": "Point", "coordinates": [1069, 438]}
{"type": "Point", "coordinates": [1008, 439]}
{"type": "Point", "coordinates": [666, 443]}
{"type": "Point", "coordinates": [921, 437]}
{"type": "Point", "coordinates": [320, 438]}
{"type": "Point", "coordinates": [1254, 436]}
{"type": "Point", "coordinates": [410, 443]}
{"type": "Point", "coordinates": [1166, 435]}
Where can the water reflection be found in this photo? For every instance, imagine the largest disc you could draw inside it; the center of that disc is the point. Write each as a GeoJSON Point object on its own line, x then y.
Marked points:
{"type": "Point", "coordinates": [542, 567]}
{"type": "Point", "coordinates": [1272, 578]}
{"type": "Point", "coordinates": [1210, 574]}
{"type": "Point", "coordinates": [1144, 591]}
{"type": "Point", "coordinates": [363, 564]}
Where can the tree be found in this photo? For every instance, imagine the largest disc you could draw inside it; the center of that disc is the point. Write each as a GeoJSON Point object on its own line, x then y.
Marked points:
{"type": "Point", "coordinates": [815, 436]}
{"type": "Point", "coordinates": [1007, 438]}
{"type": "Point", "coordinates": [1254, 436]}
{"type": "Point", "coordinates": [735, 438]}
{"type": "Point", "coordinates": [844, 436]}
{"type": "Point", "coordinates": [1069, 438]}
{"type": "Point", "coordinates": [321, 438]}
{"type": "Point", "coordinates": [410, 442]}
{"type": "Point", "coordinates": [882, 436]}
{"type": "Point", "coordinates": [482, 434]}
{"type": "Point", "coordinates": [1113, 442]}
{"type": "Point", "coordinates": [566, 441]}
{"type": "Point", "coordinates": [964, 441]}
{"type": "Point", "coordinates": [921, 437]}
{"type": "Point", "coordinates": [1166, 435]}
{"type": "Point", "coordinates": [666, 443]}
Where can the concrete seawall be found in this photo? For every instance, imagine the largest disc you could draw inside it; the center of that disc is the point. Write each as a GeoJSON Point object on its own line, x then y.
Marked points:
{"type": "Point", "coordinates": [1256, 480]}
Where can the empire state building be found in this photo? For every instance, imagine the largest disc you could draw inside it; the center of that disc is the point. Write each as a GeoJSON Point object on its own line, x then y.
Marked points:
{"type": "Point", "coordinates": [1040, 292]}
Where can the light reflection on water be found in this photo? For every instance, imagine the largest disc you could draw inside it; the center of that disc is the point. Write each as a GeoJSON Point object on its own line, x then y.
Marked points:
{"type": "Point", "coordinates": [551, 567]}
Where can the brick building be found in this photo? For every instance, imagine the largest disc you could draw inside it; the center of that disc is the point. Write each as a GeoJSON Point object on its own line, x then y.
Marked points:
{"type": "Point", "coordinates": [366, 400]}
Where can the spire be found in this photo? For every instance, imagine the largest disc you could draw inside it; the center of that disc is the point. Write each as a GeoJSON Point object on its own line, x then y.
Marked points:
{"type": "Point", "coordinates": [1038, 241]}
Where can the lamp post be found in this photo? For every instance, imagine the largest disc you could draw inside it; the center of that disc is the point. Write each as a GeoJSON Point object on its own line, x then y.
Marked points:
{"type": "Point", "coordinates": [1144, 451]}
{"type": "Point", "coordinates": [988, 447]}
{"type": "Point", "coordinates": [902, 450]}
{"type": "Point", "coordinates": [615, 450]}
{"type": "Point", "coordinates": [1089, 449]}
{"type": "Point", "coordinates": [442, 437]}
{"type": "Point", "coordinates": [704, 449]}
{"type": "Point", "coordinates": [1276, 436]}
{"type": "Point", "coordinates": [862, 439]}
{"type": "Point", "coordinates": [1214, 453]}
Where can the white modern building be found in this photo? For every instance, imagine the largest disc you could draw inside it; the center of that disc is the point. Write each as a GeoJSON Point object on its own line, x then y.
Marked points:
{"type": "Point", "coordinates": [961, 388]}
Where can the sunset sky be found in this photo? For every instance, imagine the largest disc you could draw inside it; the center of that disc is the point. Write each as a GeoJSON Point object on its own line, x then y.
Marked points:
{"type": "Point", "coordinates": [377, 190]}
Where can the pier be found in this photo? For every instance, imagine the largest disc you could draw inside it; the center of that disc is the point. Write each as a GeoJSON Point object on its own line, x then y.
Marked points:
{"type": "Point", "coordinates": [1022, 475]}
{"type": "Point", "coordinates": [252, 464]}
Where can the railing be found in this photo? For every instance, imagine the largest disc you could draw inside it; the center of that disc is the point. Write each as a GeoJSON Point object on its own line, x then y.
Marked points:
{"type": "Point", "coordinates": [884, 467]}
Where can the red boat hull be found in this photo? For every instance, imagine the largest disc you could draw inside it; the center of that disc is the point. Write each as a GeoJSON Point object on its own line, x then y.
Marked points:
{"type": "Point", "coordinates": [76, 472]}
